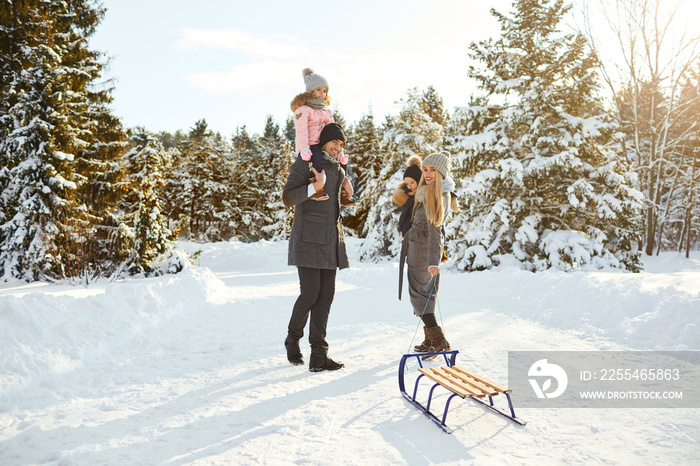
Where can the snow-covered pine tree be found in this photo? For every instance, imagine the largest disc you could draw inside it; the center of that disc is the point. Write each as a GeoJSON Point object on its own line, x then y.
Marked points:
{"type": "Point", "coordinates": [252, 195]}
{"type": "Point", "coordinates": [99, 140]}
{"type": "Point", "coordinates": [222, 190]}
{"type": "Point", "coordinates": [174, 183]}
{"type": "Point", "coordinates": [278, 155]}
{"type": "Point", "coordinates": [141, 211]}
{"type": "Point", "coordinates": [470, 121]}
{"type": "Point", "coordinates": [339, 118]}
{"type": "Point", "coordinates": [48, 122]}
{"type": "Point", "coordinates": [432, 105]}
{"type": "Point", "coordinates": [547, 188]}
{"type": "Point", "coordinates": [290, 130]}
{"type": "Point", "coordinates": [197, 186]}
{"type": "Point", "coordinates": [348, 129]}
{"type": "Point", "coordinates": [366, 162]}
{"type": "Point", "coordinates": [417, 130]}
{"type": "Point", "coordinates": [171, 141]}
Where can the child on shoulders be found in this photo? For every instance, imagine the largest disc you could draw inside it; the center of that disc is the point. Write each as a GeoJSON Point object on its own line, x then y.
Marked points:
{"type": "Point", "coordinates": [311, 114]}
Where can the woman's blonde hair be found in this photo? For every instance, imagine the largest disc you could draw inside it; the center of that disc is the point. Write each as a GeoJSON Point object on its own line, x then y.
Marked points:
{"type": "Point", "coordinates": [432, 203]}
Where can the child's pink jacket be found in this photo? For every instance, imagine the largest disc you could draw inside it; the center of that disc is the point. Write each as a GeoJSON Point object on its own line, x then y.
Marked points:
{"type": "Point", "coordinates": [308, 123]}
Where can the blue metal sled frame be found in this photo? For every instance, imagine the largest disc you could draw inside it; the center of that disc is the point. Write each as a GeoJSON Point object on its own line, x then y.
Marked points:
{"type": "Point", "coordinates": [450, 357]}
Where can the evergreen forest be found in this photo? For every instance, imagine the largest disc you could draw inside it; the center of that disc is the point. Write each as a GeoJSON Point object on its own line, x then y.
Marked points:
{"type": "Point", "coordinates": [557, 164]}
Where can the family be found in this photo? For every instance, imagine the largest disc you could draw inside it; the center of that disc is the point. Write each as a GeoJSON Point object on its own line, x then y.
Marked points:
{"type": "Point", "coordinates": [317, 187]}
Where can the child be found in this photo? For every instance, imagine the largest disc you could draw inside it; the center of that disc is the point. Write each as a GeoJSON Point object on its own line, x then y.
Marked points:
{"type": "Point", "coordinates": [405, 192]}
{"type": "Point", "coordinates": [311, 114]}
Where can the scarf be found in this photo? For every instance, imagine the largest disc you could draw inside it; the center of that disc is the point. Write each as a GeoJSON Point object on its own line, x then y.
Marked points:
{"type": "Point", "coordinates": [448, 185]}
{"type": "Point", "coordinates": [318, 104]}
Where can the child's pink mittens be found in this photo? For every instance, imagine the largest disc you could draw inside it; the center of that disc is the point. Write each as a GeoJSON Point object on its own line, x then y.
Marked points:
{"type": "Point", "coordinates": [343, 158]}
{"type": "Point", "coordinates": [305, 155]}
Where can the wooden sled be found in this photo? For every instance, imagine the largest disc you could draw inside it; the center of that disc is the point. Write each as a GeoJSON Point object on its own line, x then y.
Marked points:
{"type": "Point", "coordinates": [459, 381]}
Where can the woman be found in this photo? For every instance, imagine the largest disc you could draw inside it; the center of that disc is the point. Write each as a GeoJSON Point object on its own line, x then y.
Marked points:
{"type": "Point", "coordinates": [424, 245]}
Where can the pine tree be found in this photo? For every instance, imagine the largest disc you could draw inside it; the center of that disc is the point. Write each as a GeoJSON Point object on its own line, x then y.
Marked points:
{"type": "Point", "coordinates": [252, 194]}
{"type": "Point", "coordinates": [175, 179]}
{"type": "Point", "coordinates": [52, 145]}
{"type": "Point", "coordinates": [546, 188]}
{"type": "Point", "coordinates": [277, 156]}
{"type": "Point", "coordinates": [413, 131]}
{"type": "Point", "coordinates": [366, 162]}
{"type": "Point", "coordinates": [169, 140]}
{"type": "Point", "coordinates": [339, 118]}
{"type": "Point", "coordinates": [222, 190]}
{"type": "Point", "coordinates": [141, 208]}
{"type": "Point", "coordinates": [197, 190]}
{"type": "Point", "coordinates": [471, 120]}
{"type": "Point", "coordinates": [290, 130]}
{"type": "Point", "coordinates": [99, 140]}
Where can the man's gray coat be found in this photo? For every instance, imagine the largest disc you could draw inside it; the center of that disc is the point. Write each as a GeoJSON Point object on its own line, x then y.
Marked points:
{"type": "Point", "coordinates": [317, 239]}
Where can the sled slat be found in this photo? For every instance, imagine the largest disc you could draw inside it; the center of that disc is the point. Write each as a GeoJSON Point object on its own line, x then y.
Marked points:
{"type": "Point", "coordinates": [481, 379]}
{"type": "Point", "coordinates": [472, 382]}
{"type": "Point", "coordinates": [454, 388]}
{"type": "Point", "coordinates": [448, 376]}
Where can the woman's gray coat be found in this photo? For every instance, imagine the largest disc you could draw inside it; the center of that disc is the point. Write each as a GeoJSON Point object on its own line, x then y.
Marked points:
{"type": "Point", "coordinates": [316, 239]}
{"type": "Point", "coordinates": [422, 248]}
{"type": "Point", "coordinates": [425, 240]}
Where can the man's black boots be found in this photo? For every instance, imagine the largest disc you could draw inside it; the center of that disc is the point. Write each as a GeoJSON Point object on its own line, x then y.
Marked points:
{"type": "Point", "coordinates": [293, 352]}
{"type": "Point", "coordinates": [320, 361]}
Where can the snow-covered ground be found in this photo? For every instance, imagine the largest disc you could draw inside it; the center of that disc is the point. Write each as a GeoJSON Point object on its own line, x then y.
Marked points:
{"type": "Point", "coordinates": [191, 369]}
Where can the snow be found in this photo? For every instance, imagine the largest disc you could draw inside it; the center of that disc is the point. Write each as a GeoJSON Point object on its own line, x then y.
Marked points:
{"type": "Point", "coordinates": [509, 84]}
{"type": "Point", "coordinates": [191, 369]}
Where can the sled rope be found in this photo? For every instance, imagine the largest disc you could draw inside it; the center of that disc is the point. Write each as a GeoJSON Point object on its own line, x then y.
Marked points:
{"type": "Point", "coordinates": [434, 280]}
{"type": "Point", "coordinates": [442, 323]}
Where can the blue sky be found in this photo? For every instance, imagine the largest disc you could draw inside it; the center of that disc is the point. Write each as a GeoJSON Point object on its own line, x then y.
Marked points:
{"type": "Point", "coordinates": [235, 62]}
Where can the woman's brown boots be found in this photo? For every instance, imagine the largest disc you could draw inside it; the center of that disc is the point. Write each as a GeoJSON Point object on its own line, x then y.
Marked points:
{"type": "Point", "coordinates": [434, 342]}
{"type": "Point", "coordinates": [425, 346]}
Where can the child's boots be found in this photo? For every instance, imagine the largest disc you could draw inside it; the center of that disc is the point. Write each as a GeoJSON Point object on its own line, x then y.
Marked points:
{"type": "Point", "coordinates": [320, 194]}
{"type": "Point", "coordinates": [345, 200]}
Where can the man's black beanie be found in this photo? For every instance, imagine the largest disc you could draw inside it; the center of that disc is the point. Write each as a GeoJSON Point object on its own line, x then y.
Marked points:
{"type": "Point", "coordinates": [331, 132]}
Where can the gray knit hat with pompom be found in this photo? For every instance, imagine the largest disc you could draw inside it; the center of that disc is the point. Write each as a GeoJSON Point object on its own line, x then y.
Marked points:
{"type": "Point", "coordinates": [312, 80]}
{"type": "Point", "coordinates": [441, 162]}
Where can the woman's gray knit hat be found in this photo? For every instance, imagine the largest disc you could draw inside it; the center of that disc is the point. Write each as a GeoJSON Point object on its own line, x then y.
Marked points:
{"type": "Point", "coordinates": [441, 162]}
{"type": "Point", "coordinates": [313, 80]}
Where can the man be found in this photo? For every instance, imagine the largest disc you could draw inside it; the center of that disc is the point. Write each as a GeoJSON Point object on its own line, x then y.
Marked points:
{"type": "Point", "coordinates": [316, 248]}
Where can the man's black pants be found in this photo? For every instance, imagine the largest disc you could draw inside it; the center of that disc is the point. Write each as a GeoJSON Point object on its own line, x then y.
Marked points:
{"type": "Point", "coordinates": [317, 292]}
